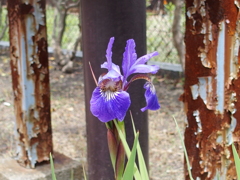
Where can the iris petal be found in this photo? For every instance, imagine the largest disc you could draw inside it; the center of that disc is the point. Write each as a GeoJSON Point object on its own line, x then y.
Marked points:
{"type": "Point", "coordinates": [151, 97]}
{"type": "Point", "coordinates": [109, 53]}
{"type": "Point", "coordinates": [107, 106]}
{"type": "Point", "coordinates": [132, 65]}
{"type": "Point", "coordinates": [143, 68]}
{"type": "Point", "coordinates": [145, 58]}
{"type": "Point", "coordinates": [129, 57]}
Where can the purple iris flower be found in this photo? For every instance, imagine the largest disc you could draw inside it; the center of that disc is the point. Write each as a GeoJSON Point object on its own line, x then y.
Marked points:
{"type": "Point", "coordinates": [110, 99]}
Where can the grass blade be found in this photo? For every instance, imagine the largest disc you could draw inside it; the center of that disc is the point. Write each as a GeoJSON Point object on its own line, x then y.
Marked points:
{"type": "Point", "coordinates": [185, 151]}
{"type": "Point", "coordinates": [52, 168]}
{"type": "Point", "coordinates": [72, 174]}
{"type": "Point", "coordinates": [84, 173]}
{"type": "Point", "coordinates": [141, 161]}
{"type": "Point", "coordinates": [128, 173]}
{"type": "Point", "coordinates": [236, 160]}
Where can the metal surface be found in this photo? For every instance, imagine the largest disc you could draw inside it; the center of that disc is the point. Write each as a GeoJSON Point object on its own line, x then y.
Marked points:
{"type": "Point", "coordinates": [101, 20]}
{"type": "Point", "coordinates": [212, 87]}
{"type": "Point", "coordinates": [30, 81]}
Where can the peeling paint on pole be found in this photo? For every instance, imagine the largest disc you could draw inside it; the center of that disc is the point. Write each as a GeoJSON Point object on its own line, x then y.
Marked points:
{"type": "Point", "coordinates": [30, 79]}
{"type": "Point", "coordinates": [212, 87]}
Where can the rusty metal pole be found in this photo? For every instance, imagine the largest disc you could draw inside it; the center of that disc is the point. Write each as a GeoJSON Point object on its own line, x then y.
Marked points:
{"type": "Point", "coordinates": [30, 80]}
{"type": "Point", "coordinates": [212, 87]}
{"type": "Point", "coordinates": [101, 20]}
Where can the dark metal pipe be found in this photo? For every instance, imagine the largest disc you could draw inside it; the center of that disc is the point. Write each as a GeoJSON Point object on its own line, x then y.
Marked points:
{"type": "Point", "coordinates": [101, 20]}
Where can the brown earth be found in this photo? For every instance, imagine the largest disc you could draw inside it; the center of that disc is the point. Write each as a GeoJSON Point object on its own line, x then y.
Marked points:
{"type": "Point", "coordinates": [68, 120]}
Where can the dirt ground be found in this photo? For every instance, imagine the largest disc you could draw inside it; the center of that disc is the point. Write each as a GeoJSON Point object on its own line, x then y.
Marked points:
{"type": "Point", "coordinates": [68, 120]}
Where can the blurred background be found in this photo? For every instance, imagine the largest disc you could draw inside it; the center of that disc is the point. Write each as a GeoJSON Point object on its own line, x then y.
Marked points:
{"type": "Point", "coordinates": [165, 28]}
{"type": "Point", "coordinates": [165, 22]}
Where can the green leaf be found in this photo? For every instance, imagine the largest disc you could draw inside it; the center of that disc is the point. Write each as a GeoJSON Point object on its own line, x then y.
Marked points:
{"type": "Point", "coordinates": [141, 161]}
{"type": "Point", "coordinates": [236, 160]}
{"type": "Point", "coordinates": [121, 126]}
{"type": "Point", "coordinates": [185, 151]}
{"type": "Point", "coordinates": [127, 151]}
{"type": "Point", "coordinates": [128, 173]}
{"type": "Point", "coordinates": [52, 168]}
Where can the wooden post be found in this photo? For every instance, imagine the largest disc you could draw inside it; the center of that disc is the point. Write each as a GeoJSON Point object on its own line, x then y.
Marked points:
{"type": "Point", "coordinates": [30, 80]}
{"type": "Point", "coordinates": [212, 87]}
{"type": "Point", "coordinates": [101, 20]}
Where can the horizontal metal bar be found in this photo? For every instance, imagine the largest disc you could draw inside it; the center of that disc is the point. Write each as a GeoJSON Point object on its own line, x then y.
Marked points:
{"type": "Point", "coordinates": [5, 44]}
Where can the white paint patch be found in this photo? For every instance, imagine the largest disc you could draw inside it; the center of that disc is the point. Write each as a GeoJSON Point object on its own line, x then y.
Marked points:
{"type": "Point", "coordinates": [219, 139]}
{"type": "Point", "coordinates": [205, 87]}
{"type": "Point", "coordinates": [39, 15]}
{"type": "Point", "coordinates": [203, 56]}
{"type": "Point", "coordinates": [237, 3]}
{"type": "Point", "coordinates": [203, 11]}
{"type": "Point", "coordinates": [198, 120]}
{"type": "Point", "coordinates": [33, 157]}
{"type": "Point", "coordinates": [231, 130]}
{"type": "Point", "coordinates": [186, 122]}
{"type": "Point", "coordinates": [188, 14]}
{"type": "Point", "coordinates": [220, 69]}
{"type": "Point", "coordinates": [231, 103]}
{"type": "Point", "coordinates": [194, 90]}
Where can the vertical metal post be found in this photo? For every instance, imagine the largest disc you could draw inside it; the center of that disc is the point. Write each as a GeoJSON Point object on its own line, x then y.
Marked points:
{"type": "Point", "coordinates": [212, 87]}
{"type": "Point", "coordinates": [101, 20]}
{"type": "Point", "coordinates": [30, 80]}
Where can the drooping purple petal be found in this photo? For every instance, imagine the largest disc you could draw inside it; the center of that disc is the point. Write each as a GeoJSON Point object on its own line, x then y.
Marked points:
{"type": "Point", "coordinates": [151, 97]}
{"type": "Point", "coordinates": [109, 54]}
{"type": "Point", "coordinates": [107, 106]}
{"type": "Point", "coordinates": [143, 68]}
{"type": "Point", "coordinates": [129, 57]}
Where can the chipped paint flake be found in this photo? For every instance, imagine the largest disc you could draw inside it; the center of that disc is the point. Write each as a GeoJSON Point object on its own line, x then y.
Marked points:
{"type": "Point", "coordinates": [203, 90]}
{"type": "Point", "coordinates": [237, 3]}
{"type": "Point", "coordinates": [203, 51]}
{"type": "Point", "coordinates": [234, 66]}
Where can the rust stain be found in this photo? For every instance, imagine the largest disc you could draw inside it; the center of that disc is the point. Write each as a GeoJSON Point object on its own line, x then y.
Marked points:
{"type": "Point", "coordinates": [30, 81]}
{"type": "Point", "coordinates": [212, 53]}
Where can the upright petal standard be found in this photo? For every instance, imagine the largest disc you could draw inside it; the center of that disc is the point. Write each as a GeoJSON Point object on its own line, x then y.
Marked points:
{"type": "Point", "coordinates": [110, 99]}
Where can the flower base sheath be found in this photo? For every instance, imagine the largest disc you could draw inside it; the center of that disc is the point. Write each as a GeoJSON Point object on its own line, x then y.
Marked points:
{"type": "Point", "coordinates": [110, 99]}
